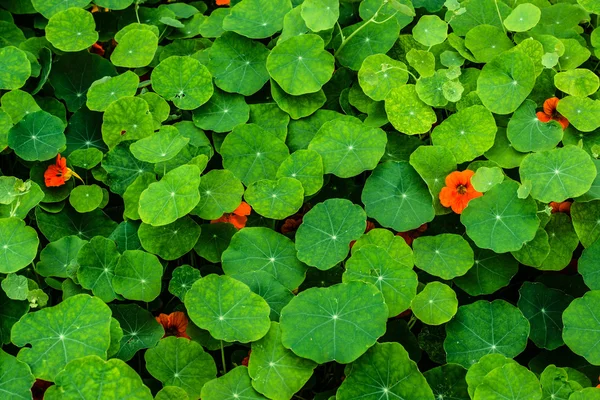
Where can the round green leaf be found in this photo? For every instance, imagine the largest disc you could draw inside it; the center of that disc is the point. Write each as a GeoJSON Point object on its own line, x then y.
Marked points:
{"type": "Point", "coordinates": [523, 18]}
{"type": "Point", "coordinates": [562, 240]}
{"type": "Point", "coordinates": [126, 237]}
{"type": "Point", "coordinates": [72, 30]}
{"type": "Point", "coordinates": [446, 255]}
{"type": "Point", "coordinates": [436, 304]}
{"type": "Point", "coordinates": [77, 327]}
{"type": "Point", "coordinates": [503, 152]}
{"type": "Point", "coordinates": [323, 238]}
{"type": "Point", "coordinates": [15, 68]}
{"type": "Point", "coordinates": [307, 167]}
{"type": "Point", "coordinates": [37, 137]}
{"type": "Point", "coordinates": [276, 371]}
{"type": "Point", "coordinates": [18, 243]}
{"type": "Point", "coordinates": [384, 371]}
{"type": "Point", "coordinates": [221, 193]}
{"type": "Point", "coordinates": [108, 89]}
{"type": "Point", "coordinates": [320, 15]}
{"type": "Point", "coordinates": [234, 385]}
{"type": "Point", "coordinates": [171, 393]}
{"type": "Point", "coordinates": [534, 252]}
{"type": "Point", "coordinates": [182, 280]}
{"type": "Point", "coordinates": [114, 4]}
{"type": "Point", "coordinates": [181, 362]}
{"type": "Point", "coordinates": [238, 64]}
{"type": "Point", "coordinates": [396, 196]}
{"type": "Point", "coordinates": [468, 133]}
{"type": "Point", "coordinates": [430, 30]}
{"type": "Point", "coordinates": [486, 42]}
{"type": "Point", "coordinates": [588, 266]}
{"type": "Point", "coordinates": [499, 220]}
{"type": "Point", "coordinates": [91, 377]}
{"type": "Point", "coordinates": [140, 330]}
{"type": "Point", "coordinates": [581, 327]}
{"type": "Point", "coordinates": [86, 198]}
{"type": "Point", "coordinates": [68, 222]}
{"type": "Point", "coordinates": [183, 80]}
{"type": "Point", "coordinates": [275, 199]}
{"type": "Point", "coordinates": [558, 174]}
{"type": "Point", "coordinates": [222, 113]}
{"type": "Point", "coordinates": [486, 178]}
{"type": "Point", "coordinates": [269, 288]}
{"type": "Point", "coordinates": [252, 154]}
{"type": "Point", "coordinates": [348, 147]}
{"type": "Point", "coordinates": [582, 112]}
{"type": "Point", "coordinates": [137, 276]}
{"type": "Point", "coordinates": [379, 74]}
{"type": "Point", "coordinates": [407, 112]}
{"type": "Point", "coordinates": [322, 324]}
{"type": "Point", "coordinates": [174, 196]}
{"type": "Point", "coordinates": [126, 119]}
{"type": "Point", "coordinates": [527, 133]}
{"type": "Point", "coordinates": [577, 82]}
{"type": "Point", "coordinates": [490, 272]}
{"type": "Point", "coordinates": [482, 328]}
{"type": "Point", "coordinates": [448, 382]}
{"type": "Point", "coordinates": [373, 264]}
{"type": "Point", "coordinates": [57, 258]}
{"type": "Point", "coordinates": [262, 249]}
{"type": "Point", "coordinates": [136, 49]}
{"type": "Point", "coordinates": [509, 380]}
{"type": "Point", "coordinates": [543, 307]}
{"type": "Point", "coordinates": [506, 81]}
{"type": "Point", "coordinates": [300, 64]}
{"type": "Point", "coordinates": [50, 7]}
{"type": "Point", "coordinates": [395, 246]}
{"type": "Point", "coordinates": [170, 241]}
{"type": "Point", "coordinates": [257, 19]}
{"type": "Point", "coordinates": [161, 146]}
{"type": "Point", "coordinates": [16, 379]}
{"type": "Point", "coordinates": [227, 309]}
{"type": "Point", "coordinates": [97, 261]}
{"type": "Point", "coordinates": [297, 106]}
{"type": "Point", "coordinates": [486, 364]}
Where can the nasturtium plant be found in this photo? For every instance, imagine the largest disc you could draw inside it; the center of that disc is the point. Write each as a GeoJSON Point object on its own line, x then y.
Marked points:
{"type": "Point", "coordinates": [299, 199]}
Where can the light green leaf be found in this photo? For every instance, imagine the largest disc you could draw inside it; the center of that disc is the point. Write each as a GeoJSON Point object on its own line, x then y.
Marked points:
{"type": "Point", "coordinates": [320, 15]}
{"type": "Point", "coordinates": [275, 199]}
{"type": "Point", "coordinates": [268, 287]}
{"type": "Point", "coordinates": [137, 276]}
{"type": "Point", "coordinates": [18, 243]}
{"type": "Point", "coordinates": [72, 30]}
{"type": "Point", "coordinates": [136, 49]}
{"type": "Point", "coordinates": [582, 112]}
{"type": "Point", "coordinates": [126, 119]}
{"type": "Point", "coordinates": [307, 167]}
{"type": "Point", "coordinates": [15, 286]}
{"type": "Point", "coordinates": [257, 19]}
{"type": "Point", "coordinates": [478, 371]}
{"type": "Point", "coordinates": [109, 89]}
{"type": "Point", "coordinates": [234, 385]}
{"type": "Point", "coordinates": [581, 326]}
{"type": "Point", "coordinates": [50, 7]}
{"type": "Point", "coordinates": [486, 178]}
{"type": "Point", "coordinates": [407, 113]}
{"type": "Point", "coordinates": [434, 163]}
{"type": "Point", "coordinates": [588, 266]}
{"type": "Point", "coordinates": [379, 74]}
{"type": "Point", "coordinates": [527, 133]}
{"type": "Point", "coordinates": [16, 379]}
{"type": "Point", "coordinates": [534, 252]}
{"type": "Point", "coordinates": [182, 279]}
{"type": "Point", "coordinates": [222, 113]}
{"type": "Point", "coordinates": [15, 68]}
{"type": "Point", "coordinates": [159, 147]}
{"type": "Point", "coordinates": [436, 304]}
{"type": "Point", "coordinates": [86, 198]}
{"type": "Point", "coordinates": [221, 193]}
{"type": "Point", "coordinates": [37, 137]}
{"type": "Point", "coordinates": [577, 82]}
{"type": "Point", "coordinates": [297, 106]}
{"type": "Point", "coordinates": [430, 30]}
{"type": "Point", "coordinates": [131, 197]}
{"type": "Point", "coordinates": [523, 18]}
{"type": "Point", "coordinates": [57, 258]}
{"type": "Point", "coordinates": [394, 245]}
{"type": "Point", "coordinates": [562, 240]}
{"type": "Point", "coordinates": [446, 255]}
{"type": "Point", "coordinates": [555, 383]}
{"type": "Point", "coordinates": [506, 381]}
{"type": "Point", "coordinates": [478, 12]}
{"type": "Point", "coordinates": [97, 261]}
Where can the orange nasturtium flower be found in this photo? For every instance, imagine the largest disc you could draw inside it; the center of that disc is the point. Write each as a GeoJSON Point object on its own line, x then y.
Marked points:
{"type": "Point", "coordinates": [563, 207]}
{"type": "Point", "coordinates": [57, 174]}
{"type": "Point", "coordinates": [175, 324]}
{"type": "Point", "coordinates": [222, 2]}
{"type": "Point", "coordinates": [458, 191]}
{"type": "Point", "coordinates": [550, 113]}
{"type": "Point", "coordinates": [237, 218]}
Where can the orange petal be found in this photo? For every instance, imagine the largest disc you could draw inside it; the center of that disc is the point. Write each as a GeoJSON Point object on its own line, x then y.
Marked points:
{"type": "Point", "coordinates": [243, 209]}
{"type": "Point", "coordinates": [543, 117]}
{"type": "Point", "coordinates": [550, 105]}
{"type": "Point", "coordinates": [563, 121]}
{"type": "Point", "coordinates": [239, 221]}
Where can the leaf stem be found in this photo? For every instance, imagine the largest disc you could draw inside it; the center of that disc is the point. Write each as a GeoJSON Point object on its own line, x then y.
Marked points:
{"type": "Point", "coordinates": [367, 22]}
{"type": "Point", "coordinates": [500, 16]}
{"type": "Point", "coordinates": [223, 358]}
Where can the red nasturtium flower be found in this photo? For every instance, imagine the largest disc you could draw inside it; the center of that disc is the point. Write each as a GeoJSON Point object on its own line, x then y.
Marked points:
{"type": "Point", "coordinates": [550, 113]}
{"type": "Point", "coordinates": [410, 236]}
{"type": "Point", "coordinates": [97, 49]}
{"type": "Point", "coordinates": [222, 2]}
{"type": "Point", "coordinates": [175, 324]}
{"type": "Point", "coordinates": [57, 174]}
{"type": "Point", "coordinates": [458, 191]}
{"type": "Point", "coordinates": [237, 218]}
{"type": "Point", "coordinates": [563, 207]}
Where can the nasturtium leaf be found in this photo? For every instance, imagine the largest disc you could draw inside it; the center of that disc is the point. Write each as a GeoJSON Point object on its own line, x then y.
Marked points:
{"type": "Point", "coordinates": [183, 80]}
{"type": "Point", "coordinates": [72, 30]}
{"type": "Point", "coordinates": [319, 15]}
{"type": "Point", "coordinates": [395, 246]}
{"type": "Point", "coordinates": [447, 255]}
{"type": "Point", "coordinates": [543, 307]}
{"type": "Point", "coordinates": [506, 81]}
{"type": "Point", "coordinates": [86, 158]}
{"type": "Point", "coordinates": [490, 272]}
{"type": "Point", "coordinates": [124, 169]}
{"type": "Point", "coordinates": [407, 113]}
{"type": "Point", "coordinates": [588, 265]}
{"type": "Point", "coordinates": [77, 327]}
{"type": "Point", "coordinates": [509, 380]}
{"type": "Point", "coordinates": [297, 106]}
{"type": "Point", "coordinates": [478, 371]}
{"type": "Point", "coordinates": [37, 137]}
{"type": "Point", "coordinates": [348, 147]}
{"type": "Point", "coordinates": [503, 152]}
{"type": "Point", "coordinates": [174, 196]}
{"type": "Point", "coordinates": [270, 118]}
{"type": "Point", "coordinates": [181, 362]}
{"type": "Point", "coordinates": [126, 237]}
{"type": "Point", "coordinates": [109, 89]}
{"type": "Point", "coordinates": [422, 61]}
{"type": "Point", "coordinates": [227, 309]}
{"type": "Point", "coordinates": [137, 276]}
{"type": "Point", "coordinates": [523, 17]}
{"type": "Point", "coordinates": [10, 312]}
{"type": "Point", "coordinates": [323, 238]}
{"type": "Point", "coordinates": [558, 174]}
{"type": "Point", "coordinates": [257, 19]}
{"type": "Point", "coordinates": [221, 192]}
{"type": "Point", "coordinates": [16, 379]}
{"type": "Point", "coordinates": [486, 178]}
{"type": "Point", "coordinates": [262, 249]}
{"type": "Point", "coordinates": [68, 222]}
{"type": "Point", "coordinates": [15, 286]}
{"type": "Point", "coordinates": [384, 370]}
{"type": "Point", "coordinates": [562, 240]}
{"type": "Point", "coordinates": [276, 371]}
{"type": "Point", "coordinates": [171, 393]}
{"type": "Point", "coordinates": [50, 7]}
{"type": "Point", "coordinates": [234, 385]}
{"type": "Point", "coordinates": [527, 133]}
{"type": "Point", "coordinates": [577, 82]}
{"type": "Point", "coordinates": [307, 167]}
{"type": "Point", "coordinates": [86, 198]}
{"type": "Point", "coordinates": [97, 261]}
{"type": "Point", "coordinates": [114, 4]}
{"type": "Point", "coordinates": [222, 113]}
{"type": "Point", "coordinates": [476, 12]}
{"type": "Point", "coordinates": [83, 132]}
{"type": "Point", "coordinates": [430, 30]}
{"type": "Point", "coordinates": [135, 49]}
{"type": "Point", "coordinates": [253, 154]}
{"type": "Point", "coordinates": [430, 89]}
{"type": "Point", "coordinates": [59, 257]}
{"type": "Point", "coordinates": [396, 196]}
{"type": "Point", "coordinates": [379, 74]}
{"type": "Point", "coordinates": [128, 118]}
{"type": "Point", "coordinates": [15, 67]}
{"type": "Point", "coordinates": [182, 280]}
{"type": "Point", "coordinates": [161, 146]}
{"type": "Point", "coordinates": [582, 112]}
{"type": "Point", "coordinates": [18, 244]}
{"type": "Point", "coordinates": [140, 329]}
{"type": "Point", "coordinates": [556, 384]}
{"type": "Point", "coordinates": [238, 64]}
{"type": "Point", "coordinates": [338, 323]}
{"type": "Point", "coordinates": [534, 252]}
{"type": "Point", "coordinates": [397, 282]}
{"type": "Point", "coordinates": [499, 220]}
{"type": "Point", "coordinates": [574, 55]}
{"type": "Point", "coordinates": [269, 288]}
{"type": "Point", "coordinates": [589, 393]}
{"type": "Point", "coordinates": [433, 164]}
{"type": "Point", "coordinates": [448, 382]}
{"type": "Point", "coordinates": [275, 199]}
{"type": "Point", "coordinates": [468, 133]}
{"type": "Point", "coordinates": [170, 241]}
{"type": "Point", "coordinates": [485, 327]}
{"type": "Point", "coordinates": [436, 304]}
{"type": "Point", "coordinates": [300, 65]}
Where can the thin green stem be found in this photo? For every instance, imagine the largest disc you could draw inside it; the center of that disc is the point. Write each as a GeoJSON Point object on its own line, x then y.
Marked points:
{"type": "Point", "coordinates": [340, 28]}
{"type": "Point", "coordinates": [371, 20]}
{"type": "Point", "coordinates": [223, 358]}
{"type": "Point", "coordinates": [500, 15]}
